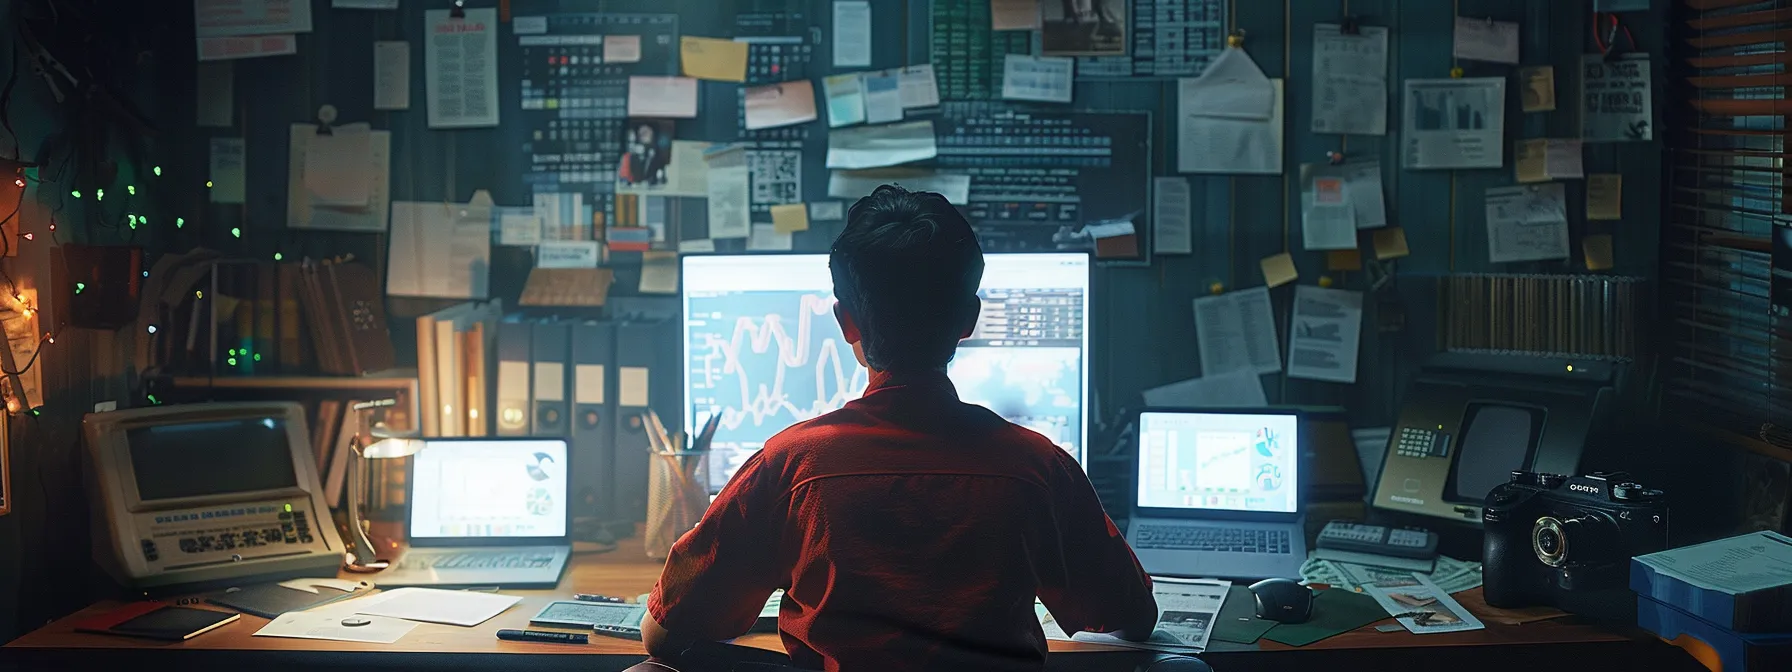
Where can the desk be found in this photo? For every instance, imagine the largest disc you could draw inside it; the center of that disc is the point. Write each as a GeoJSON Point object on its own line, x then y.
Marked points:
{"type": "Point", "coordinates": [627, 572]}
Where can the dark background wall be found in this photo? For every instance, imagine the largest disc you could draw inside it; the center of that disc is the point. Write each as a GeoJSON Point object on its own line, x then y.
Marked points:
{"type": "Point", "coordinates": [1144, 331]}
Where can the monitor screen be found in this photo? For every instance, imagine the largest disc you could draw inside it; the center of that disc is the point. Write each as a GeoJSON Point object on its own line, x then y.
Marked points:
{"type": "Point", "coordinates": [489, 488]}
{"type": "Point", "coordinates": [1224, 461]}
{"type": "Point", "coordinates": [1496, 440]}
{"type": "Point", "coordinates": [763, 350]}
{"type": "Point", "coordinates": [213, 457]}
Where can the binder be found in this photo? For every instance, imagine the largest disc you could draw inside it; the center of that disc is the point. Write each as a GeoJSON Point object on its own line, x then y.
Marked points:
{"type": "Point", "coordinates": [593, 414]}
{"type": "Point", "coordinates": [637, 356]}
{"type": "Point", "coordinates": [514, 405]}
{"type": "Point", "coordinates": [429, 400]}
{"type": "Point", "coordinates": [548, 351]}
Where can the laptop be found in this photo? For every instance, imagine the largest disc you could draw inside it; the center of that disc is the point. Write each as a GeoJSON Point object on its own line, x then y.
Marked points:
{"type": "Point", "coordinates": [1218, 494]}
{"type": "Point", "coordinates": [486, 512]}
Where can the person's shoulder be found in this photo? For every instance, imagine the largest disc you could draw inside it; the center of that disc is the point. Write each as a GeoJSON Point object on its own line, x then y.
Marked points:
{"type": "Point", "coordinates": [814, 433]}
{"type": "Point", "coordinates": [1020, 439]}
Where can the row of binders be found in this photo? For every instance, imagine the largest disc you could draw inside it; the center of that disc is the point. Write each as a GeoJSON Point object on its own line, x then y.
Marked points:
{"type": "Point", "coordinates": [482, 373]}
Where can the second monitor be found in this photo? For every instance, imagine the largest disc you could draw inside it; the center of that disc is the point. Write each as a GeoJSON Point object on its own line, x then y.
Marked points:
{"type": "Point", "coordinates": [762, 348]}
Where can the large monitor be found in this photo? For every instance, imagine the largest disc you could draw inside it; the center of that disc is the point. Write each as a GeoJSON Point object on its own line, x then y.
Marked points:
{"type": "Point", "coordinates": [763, 350]}
{"type": "Point", "coordinates": [203, 494]}
{"type": "Point", "coordinates": [1470, 420]}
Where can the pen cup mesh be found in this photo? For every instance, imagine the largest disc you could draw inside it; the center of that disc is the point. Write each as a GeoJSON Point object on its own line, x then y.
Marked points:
{"type": "Point", "coordinates": [677, 496]}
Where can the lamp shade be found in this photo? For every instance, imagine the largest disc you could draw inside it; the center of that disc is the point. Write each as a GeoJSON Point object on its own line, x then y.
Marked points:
{"type": "Point", "coordinates": [392, 447]}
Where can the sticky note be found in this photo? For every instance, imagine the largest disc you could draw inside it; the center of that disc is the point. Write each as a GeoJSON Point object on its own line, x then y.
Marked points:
{"type": "Point", "coordinates": [1390, 243]}
{"type": "Point", "coordinates": [1344, 260]}
{"type": "Point", "coordinates": [1605, 196]}
{"type": "Point", "coordinates": [1279, 270]}
{"type": "Point", "coordinates": [1598, 251]}
{"type": "Point", "coordinates": [713, 59]}
{"type": "Point", "coordinates": [790, 217]}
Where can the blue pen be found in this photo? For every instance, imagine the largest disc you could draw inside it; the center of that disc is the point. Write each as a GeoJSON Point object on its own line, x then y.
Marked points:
{"type": "Point", "coordinates": [582, 597]}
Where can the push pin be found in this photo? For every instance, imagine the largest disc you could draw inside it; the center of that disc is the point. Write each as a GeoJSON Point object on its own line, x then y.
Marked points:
{"type": "Point", "coordinates": [1456, 73]}
{"type": "Point", "coordinates": [1325, 281]}
{"type": "Point", "coordinates": [1236, 39]}
{"type": "Point", "coordinates": [1336, 158]}
{"type": "Point", "coordinates": [1216, 289]}
{"type": "Point", "coordinates": [1349, 26]}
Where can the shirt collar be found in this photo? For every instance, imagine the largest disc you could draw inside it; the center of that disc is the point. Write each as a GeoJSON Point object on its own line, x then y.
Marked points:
{"type": "Point", "coordinates": [934, 380]}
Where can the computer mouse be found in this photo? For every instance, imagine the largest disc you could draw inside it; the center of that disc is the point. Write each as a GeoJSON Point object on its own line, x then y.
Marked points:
{"type": "Point", "coordinates": [1282, 600]}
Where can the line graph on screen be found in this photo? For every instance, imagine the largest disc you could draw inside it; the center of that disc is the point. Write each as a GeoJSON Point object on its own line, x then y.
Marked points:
{"type": "Point", "coordinates": [764, 376]}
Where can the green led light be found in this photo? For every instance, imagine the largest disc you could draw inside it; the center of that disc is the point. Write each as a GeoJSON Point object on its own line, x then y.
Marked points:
{"type": "Point", "coordinates": [233, 352]}
{"type": "Point", "coordinates": [131, 189]}
{"type": "Point", "coordinates": [198, 294]}
{"type": "Point", "coordinates": [157, 170]}
{"type": "Point", "coordinates": [231, 361]}
{"type": "Point", "coordinates": [236, 232]}
{"type": "Point", "coordinates": [76, 193]}
{"type": "Point", "coordinates": [37, 411]}
{"type": "Point", "coordinates": [289, 508]}
{"type": "Point", "coordinates": [208, 184]}
{"type": "Point", "coordinates": [133, 221]}
{"type": "Point", "coordinates": [180, 222]}
{"type": "Point", "coordinates": [257, 356]}
{"type": "Point", "coordinates": [99, 194]}
{"type": "Point", "coordinates": [79, 286]}
{"type": "Point", "coordinates": [278, 256]}
{"type": "Point", "coordinates": [154, 400]}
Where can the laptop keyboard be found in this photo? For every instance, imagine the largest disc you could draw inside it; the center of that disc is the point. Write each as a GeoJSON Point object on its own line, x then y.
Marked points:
{"type": "Point", "coordinates": [479, 560]}
{"type": "Point", "coordinates": [1186, 538]}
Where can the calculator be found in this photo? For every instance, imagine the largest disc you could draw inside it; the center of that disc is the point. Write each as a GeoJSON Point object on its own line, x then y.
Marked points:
{"type": "Point", "coordinates": [1339, 535]}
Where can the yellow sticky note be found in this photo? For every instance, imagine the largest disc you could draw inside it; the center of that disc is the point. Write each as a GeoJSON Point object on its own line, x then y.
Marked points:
{"type": "Point", "coordinates": [1605, 196]}
{"type": "Point", "coordinates": [1279, 270]}
{"type": "Point", "coordinates": [1598, 250]}
{"type": "Point", "coordinates": [1344, 260]}
{"type": "Point", "coordinates": [790, 217]}
{"type": "Point", "coordinates": [1390, 243]}
{"type": "Point", "coordinates": [713, 59]}
{"type": "Point", "coordinates": [1531, 159]}
{"type": "Point", "coordinates": [1537, 88]}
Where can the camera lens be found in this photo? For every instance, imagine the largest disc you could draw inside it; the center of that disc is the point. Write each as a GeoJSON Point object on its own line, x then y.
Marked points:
{"type": "Point", "coordinates": [1549, 541]}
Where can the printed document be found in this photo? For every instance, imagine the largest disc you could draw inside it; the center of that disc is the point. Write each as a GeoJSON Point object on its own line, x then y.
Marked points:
{"type": "Point", "coordinates": [1350, 80]}
{"type": "Point", "coordinates": [460, 64]}
{"type": "Point", "coordinates": [232, 18]}
{"type": "Point", "coordinates": [1544, 159]}
{"type": "Point", "coordinates": [1528, 223]}
{"type": "Point", "coordinates": [1172, 228]}
{"type": "Point", "coordinates": [1186, 610]}
{"type": "Point", "coordinates": [1208, 144]}
{"type": "Point", "coordinates": [1323, 334]}
{"type": "Point", "coordinates": [1486, 40]}
{"type": "Point", "coordinates": [1237, 331]}
{"type": "Point", "coordinates": [1454, 123]}
{"type": "Point", "coordinates": [1733, 566]}
{"type": "Point", "coordinates": [1617, 103]}
{"type": "Point", "coordinates": [880, 146]}
{"type": "Point", "coordinates": [852, 34]}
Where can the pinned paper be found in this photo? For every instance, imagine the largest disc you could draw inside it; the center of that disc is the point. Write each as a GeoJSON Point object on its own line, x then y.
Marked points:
{"type": "Point", "coordinates": [1043, 79]}
{"type": "Point", "coordinates": [1279, 270]}
{"type": "Point", "coordinates": [846, 100]}
{"type": "Point", "coordinates": [1236, 331]}
{"type": "Point", "coordinates": [880, 146]}
{"type": "Point", "coordinates": [767, 237]}
{"type": "Point", "coordinates": [1598, 250]}
{"type": "Point", "coordinates": [662, 97]}
{"type": "Point", "coordinates": [566, 254]}
{"type": "Point", "coordinates": [519, 226]}
{"type": "Point", "coordinates": [917, 87]}
{"type": "Point", "coordinates": [460, 66]}
{"type": "Point", "coordinates": [1537, 88]}
{"type": "Point", "coordinates": [1171, 214]}
{"type": "Point", "coordinates": [1486, 40]}
{"type": "Point", "coordinates": [1605, 196]}
{"type": "Point", "coordinates": [336, 166]}
{"type": "Point", "coordinates": [441, 250]}
{"type": "Point", "coordinates": [391, 75]}
{"type": "Point", "coordinates": [852, 34]}
{"type": "Point", "coordinates": [1542, 160]}
{"type": "Point", "coordinates": [1328, 218]}
{"type": "Point", "coordinates": [1344, 260]}
{"type": "Point", "coordinates": [790, 217]}
{"type": "Point", "coordinates": [775, 105]}
{"type": "Point", "coordinates": [713, 59]}
{"type": "Point", "coordinates": [1232, 87]}
{"type": "Point", "coordinates": [883, 97]}
{"type": "Point", "coordinates": [827, 211]}
{"type": "Point", "coordinates": [228, 164]}
{"type": "Point", "coordinates": [659, 273]}
{"type": "Point", "coordinates": [622, 49]}
{"type": "Point", "coordinates": [1390, 243]}
{"type": "Point", "coordinates": [1014, 14]}
{"type": "Point", "coordinates": [1527, 223]}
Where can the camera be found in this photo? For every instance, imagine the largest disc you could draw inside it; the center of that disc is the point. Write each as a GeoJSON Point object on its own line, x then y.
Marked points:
{"type": "Point", "coordinates": [1566, 542]}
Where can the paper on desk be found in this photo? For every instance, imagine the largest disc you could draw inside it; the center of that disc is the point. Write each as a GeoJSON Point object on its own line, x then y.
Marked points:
{"type": "Point", "coordinates": [713, 59]}
{"type": "Point", "coordinates": [336, 167]}
{"type": "Point", "coordinates": [622, 49]}
{"type": "Point", "coordinates": [227, 165]}
{"type": "Point", "coordinates": [1172, 227]}
{"type": "Point", "coordinates": [879, 146]}
{"type": "Point", "coordinates": [1350, 80]}
{"type": "Point", "coordinates": [460, 66]}
{"type": "Point", "coordinates": [1207, 144]}
{"type": "Point", "coordinates": [1486, 40]}
{"type": "Point", "coordinates": [1323, 334]}
{"type": "Point", "coordinates": [1014, 14]}
{"type": "Point", "coordinates": [215, 96]}
{"type": "Point", "coordinates": [856, 184]}
{"type": "Point", "coordinates": [1733, 566]}
{"type": "Point", "coordinates": [1542, 160]}
{"type": "Point", "coordinates": [917, 86]}
{"type": "Point", "coordinates": [1450, 574]}
{"type": "Point", "coordinates": [1241, 388]}
{"type": "Point", "coordinates": [392, 75]}
{"type": "Point", "coordinates": [883, 97]}
{"type": "Point", "coordinates": [1537, 88]}
{"type": "Point", "coordinates": [1186, 609]}
{"type": "Point", "coordinates": [730, 195]}
{"type": "Point", "coordinates": [766, 237]}
{"type": "Point", "coordinates": [440, 250]}
{"type": "Point", "coordinates": [1042, 79]}
{"type": "Point", "coordinates": [846, 99]}
{"type": "Point", "coordinates": [852, 34]}
{"type": "Point", "coordinates": [433, 605]}
{"type": "Point", "coordinates": [662, 97]}
{"type": "Point", "coordinates": [1605, 196]}
{"type": "Point", "coordinates": [1528, 223]}
{"type": "Point", "coordinates": [1454, 123]}
{"type": "Point", "coordinates": [775, 105]}
{"type": "Point", "coordinates": [1421, 606]}
{"type": "Point", "coordinates": [1049, 623]}
{"type": "Point", "coordinates": [313, 625]}
{"type": "Point", "coordinates": [1237, 332]}
{"type": "Point", "coordinates": [1231, 87]}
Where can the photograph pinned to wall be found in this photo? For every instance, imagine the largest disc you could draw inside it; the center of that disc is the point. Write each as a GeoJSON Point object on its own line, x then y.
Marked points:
{"type": "Point", "coordinates": [1083, 27]}
{"type": "Point", "coordinates": [647, 152]}
{"type": "Point", "coordinates": [1455, 123]}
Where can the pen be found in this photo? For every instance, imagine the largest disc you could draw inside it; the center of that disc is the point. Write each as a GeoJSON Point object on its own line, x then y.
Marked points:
{"type": "Point", "coordinates": [543, 636]}
{"type": "Point", "coordinates": [619, 631]}
{"type": "Point", "coordinates": [582, 597]}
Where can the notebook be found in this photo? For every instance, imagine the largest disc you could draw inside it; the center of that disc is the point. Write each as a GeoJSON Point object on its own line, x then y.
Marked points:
{"type": "Point", "coordinates": [155, 620]}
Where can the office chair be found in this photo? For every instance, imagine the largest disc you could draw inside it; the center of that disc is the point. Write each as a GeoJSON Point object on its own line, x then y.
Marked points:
{"type": "Point", "coordinates": [1160, 663]}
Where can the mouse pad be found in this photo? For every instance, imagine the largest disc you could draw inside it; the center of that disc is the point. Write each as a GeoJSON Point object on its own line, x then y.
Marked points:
{"type": "Point", "coordinates": [1237, 621]}
{"type": "Point", "coordinates": [1335, 611]}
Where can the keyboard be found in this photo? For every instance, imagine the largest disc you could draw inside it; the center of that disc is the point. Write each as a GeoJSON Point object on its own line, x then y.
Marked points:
{"type": "Point", "coordinates": [1186, 538]}
{"type": "Point", "coordinates": [477, 560]}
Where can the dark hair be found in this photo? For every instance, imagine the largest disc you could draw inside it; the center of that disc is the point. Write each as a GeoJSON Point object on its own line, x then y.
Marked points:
{"type": "Point", "coordinates": [907, 269]}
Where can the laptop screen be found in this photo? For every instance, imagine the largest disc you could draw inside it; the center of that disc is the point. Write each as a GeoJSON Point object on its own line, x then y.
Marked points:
{"type": "Point", "coordinates": [485, 488]}
{"type": "Point", "coordinates": [1219, 461]}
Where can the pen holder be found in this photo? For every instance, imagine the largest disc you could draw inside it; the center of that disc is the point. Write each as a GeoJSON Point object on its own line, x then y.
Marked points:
{"type": "Point", "coordinates": [677, 496]}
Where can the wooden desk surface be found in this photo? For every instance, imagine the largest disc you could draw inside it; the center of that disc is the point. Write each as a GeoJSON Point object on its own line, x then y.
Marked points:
{"type": "Point", "coordinates": [626, 572]}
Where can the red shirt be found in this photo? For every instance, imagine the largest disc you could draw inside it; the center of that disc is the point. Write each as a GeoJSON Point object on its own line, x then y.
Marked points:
{"type": "Point", "coordinates": [910, 531]}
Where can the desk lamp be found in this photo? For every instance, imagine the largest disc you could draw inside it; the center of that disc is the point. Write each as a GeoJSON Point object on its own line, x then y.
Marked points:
{"type": "Point", "coordinates": [371, 442]}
